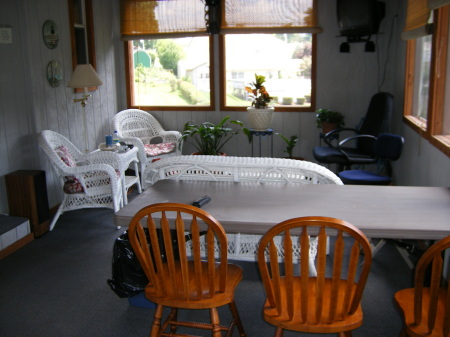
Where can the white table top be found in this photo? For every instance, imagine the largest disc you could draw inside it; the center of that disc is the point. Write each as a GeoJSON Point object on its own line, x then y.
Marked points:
{"type": "Point", "coordinates": [398, 212]}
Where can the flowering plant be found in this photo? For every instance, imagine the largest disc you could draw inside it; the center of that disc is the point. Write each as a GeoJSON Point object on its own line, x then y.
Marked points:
{"type": "Point", "coordinates": [263, 100]}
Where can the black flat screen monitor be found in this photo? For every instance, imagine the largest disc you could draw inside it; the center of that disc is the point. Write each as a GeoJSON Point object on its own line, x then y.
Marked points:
{"type": "Point", "coordinates": [359, 17]}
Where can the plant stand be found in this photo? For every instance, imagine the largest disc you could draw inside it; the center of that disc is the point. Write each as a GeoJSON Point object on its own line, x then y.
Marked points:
{"type": "Point", "coordinates": [262, 134]}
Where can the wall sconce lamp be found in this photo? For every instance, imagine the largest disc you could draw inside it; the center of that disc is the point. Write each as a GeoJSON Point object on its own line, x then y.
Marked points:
{"type": "Point", "coordinates": [84, 77]}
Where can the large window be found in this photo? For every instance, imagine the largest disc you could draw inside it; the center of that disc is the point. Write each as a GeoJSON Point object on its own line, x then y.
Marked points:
{"type": "Point", "coordinates": [284, 59]}
{"type": "Point", "coordinates": [170, 54]}
{"type": "Point", "coordinates": [427, 83]}
{"type": "Point", "coordinates": [170, 72]}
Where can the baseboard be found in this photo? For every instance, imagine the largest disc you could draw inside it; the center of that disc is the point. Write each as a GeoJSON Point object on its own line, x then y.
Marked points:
{"type": "Point", "coordinates": [16, 245]}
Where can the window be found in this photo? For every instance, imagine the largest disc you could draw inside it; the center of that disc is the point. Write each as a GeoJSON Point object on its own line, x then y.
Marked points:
{"type": "Point", "coordinates": [187, 82]}
{"type": "Point", "coordinates": [171, 73]}
{"type": "Point", "coordinates": [82, 34]}
{"type": "Point", "coordinates": [284, 59]}
{"type": "Point", "coordinates": [427, 85]}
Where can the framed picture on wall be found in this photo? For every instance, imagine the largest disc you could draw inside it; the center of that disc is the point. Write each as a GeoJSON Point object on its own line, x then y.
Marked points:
{"type": "Point", "coordinates": [50, 34]}
{"type": "Point", "coordinates": [54, 73]}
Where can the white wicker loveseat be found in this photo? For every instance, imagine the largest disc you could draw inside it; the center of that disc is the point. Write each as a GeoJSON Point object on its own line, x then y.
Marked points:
{"type": "Point", "coordinates": [141, 129]}
{"type": "Point", "coordinates": [241, 169]}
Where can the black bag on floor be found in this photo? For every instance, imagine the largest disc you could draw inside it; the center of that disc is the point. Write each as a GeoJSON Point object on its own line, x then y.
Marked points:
{"type": "Point", "coordinates": [128, 278]}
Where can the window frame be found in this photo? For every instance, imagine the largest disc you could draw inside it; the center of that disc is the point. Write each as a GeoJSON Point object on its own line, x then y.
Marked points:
{"type": "Point", "coordinates": [432, 128]}
{"type": "Point", "coordinates": [89, 34]}
{"type": "Point", "coordinates": [128, 50]}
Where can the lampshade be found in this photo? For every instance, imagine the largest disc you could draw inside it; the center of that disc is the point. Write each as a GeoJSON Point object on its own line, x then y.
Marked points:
{"type": "Point", "coordinates": [84, 76]}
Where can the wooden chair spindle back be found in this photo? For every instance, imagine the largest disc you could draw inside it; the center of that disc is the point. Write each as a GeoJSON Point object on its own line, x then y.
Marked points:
{"type": "Point", "coordinates": [336, 291]}
{"type": "Point", "coordinates": [164, 256]}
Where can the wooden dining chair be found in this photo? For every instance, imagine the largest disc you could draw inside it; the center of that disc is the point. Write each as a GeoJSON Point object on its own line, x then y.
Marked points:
{"type": "Point", "coordinates": [426, 307]}
{"type": "Point", "coordinates": [198, 277]}
{"type": "Point", "coordinates": [327, 303]}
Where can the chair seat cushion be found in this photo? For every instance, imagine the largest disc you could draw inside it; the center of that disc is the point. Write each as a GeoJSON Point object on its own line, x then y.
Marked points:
{"type": "Point", "coordinates": [332, 155]}
{"type": "Point", "coordinates": [152, 150]}
{"type": "Point", "coordinates": [362, 177]}
{"type": "Point", "coordinates": [72, 185]}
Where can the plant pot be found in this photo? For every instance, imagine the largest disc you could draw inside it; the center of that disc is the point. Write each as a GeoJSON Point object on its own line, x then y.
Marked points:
{"type": "Point", "coordinates": [327, 127]}
{"type": "Point", "coordinates": [301, 100]}
{"type": "Point", "coordinates": [260, 119]}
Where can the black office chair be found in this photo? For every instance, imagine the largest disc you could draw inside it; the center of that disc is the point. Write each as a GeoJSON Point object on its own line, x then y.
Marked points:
{"type": "Point", "coordinates": [375, 122]}
{"type": "Point", "coordinates": [387, 147]}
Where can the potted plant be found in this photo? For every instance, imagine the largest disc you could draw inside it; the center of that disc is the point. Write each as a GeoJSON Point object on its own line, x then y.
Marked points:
{"type": "Point", "coordinates": [209, 138]}
{"type": "Point", "coordinates": [259, 114]}
{"type": "Point", "coordinates": [290, 144]}
{"type": "Point", "coordinates": [329, 120]}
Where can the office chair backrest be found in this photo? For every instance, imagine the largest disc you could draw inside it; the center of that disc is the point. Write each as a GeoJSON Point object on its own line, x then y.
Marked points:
{"type": "Point", "coordinates": [376, 119]}
{"type": "Point", "coordinates": [389, 146]}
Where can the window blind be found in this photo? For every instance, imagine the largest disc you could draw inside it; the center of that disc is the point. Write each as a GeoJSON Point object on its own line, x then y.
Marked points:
{"type": "Point", "coordinates": [417, 17]}
{"type": "Point", "coordinates": [259, 16]}
{"type": "Point", "coordinates": [147, 19]}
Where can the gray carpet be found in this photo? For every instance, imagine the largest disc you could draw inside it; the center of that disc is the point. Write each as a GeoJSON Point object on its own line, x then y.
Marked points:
{"type": "Point", "coordinates": [56, 286]}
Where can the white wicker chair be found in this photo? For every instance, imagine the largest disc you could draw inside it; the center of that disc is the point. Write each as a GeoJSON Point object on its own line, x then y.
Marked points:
{"type": "Point", "coordinates": [88, 180]}
{"type": "Point", "coordinates": [140, 128]}
{"type": "Point", "coordinates": [242, 169]}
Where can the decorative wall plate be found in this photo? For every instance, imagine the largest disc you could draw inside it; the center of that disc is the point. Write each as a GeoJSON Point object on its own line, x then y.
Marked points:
{"type": "Point", "coordinates": [54, 73]}
{"type": "Point", "coordinates": [50, 34]}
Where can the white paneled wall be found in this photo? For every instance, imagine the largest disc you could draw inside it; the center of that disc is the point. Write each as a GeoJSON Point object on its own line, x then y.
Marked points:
{"type": "Point", "coordinates": [28, 104]}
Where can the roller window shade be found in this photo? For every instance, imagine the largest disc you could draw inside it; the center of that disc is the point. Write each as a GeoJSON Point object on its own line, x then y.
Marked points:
{"type": "Point", "coordinates": [417, 20]}
{"type": "Point", "coordinates": [260, 16]}
{"type": "Point", "coordinates": [147, 19]}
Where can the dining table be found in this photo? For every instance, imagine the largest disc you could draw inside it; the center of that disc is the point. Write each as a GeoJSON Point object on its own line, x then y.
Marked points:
{"type": "Point", "coordinates": [388, 212]}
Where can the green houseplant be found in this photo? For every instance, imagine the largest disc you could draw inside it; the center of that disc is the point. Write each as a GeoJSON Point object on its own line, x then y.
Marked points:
{"type": "Point", "coordinates": [329, 120]}
{"type": "Point", "coordinates": [209, 138]}
{"type": "Point", "coordinates": [290, 143]}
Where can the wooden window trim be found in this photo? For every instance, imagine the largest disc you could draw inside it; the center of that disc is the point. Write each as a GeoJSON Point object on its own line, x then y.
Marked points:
{"type": "Point", "coordinates": [222, 84]}
{"type": "Point", "coordinates": [432, 128]}
{"type": "Point", "coordinates": [89, 13]}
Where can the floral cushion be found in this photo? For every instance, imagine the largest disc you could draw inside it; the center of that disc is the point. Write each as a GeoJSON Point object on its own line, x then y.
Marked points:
{"type": "Point", "coordinates": [72, 185]}
{"type": "Point", "coordinates": [65, 156]}
{"type": "Point", "coordinates": [152, 150]}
